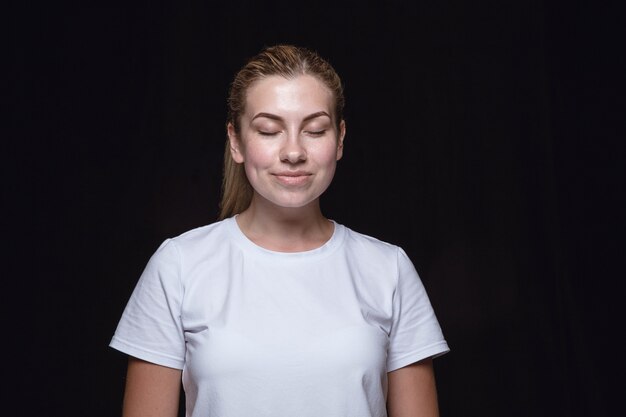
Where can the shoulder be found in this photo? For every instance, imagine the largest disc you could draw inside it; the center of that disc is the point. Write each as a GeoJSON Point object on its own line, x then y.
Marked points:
{"type": "Point", "coordinates": [211, 234]}
{"type": "Point", "coordinates": [368, 245]}
{"type": "Point", "coordinates": [194, 244]}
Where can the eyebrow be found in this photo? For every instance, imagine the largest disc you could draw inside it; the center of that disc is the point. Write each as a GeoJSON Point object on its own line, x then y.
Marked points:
{"type": "Point", "coordinates": [307, 118]}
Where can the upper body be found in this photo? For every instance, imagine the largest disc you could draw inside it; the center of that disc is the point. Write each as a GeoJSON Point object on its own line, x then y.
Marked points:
{"type": "Point", "coordinates": [267, 333]}
{"type": "Point", "coordinates": [277, 310]}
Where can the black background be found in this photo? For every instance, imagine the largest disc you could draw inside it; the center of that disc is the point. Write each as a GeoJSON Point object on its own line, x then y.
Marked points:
{"type": "Point", "coordinates": [485, 138]}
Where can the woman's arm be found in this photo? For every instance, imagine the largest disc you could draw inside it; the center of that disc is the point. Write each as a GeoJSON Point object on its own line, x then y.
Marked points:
{"type": "Point", "coordinates": [151, 390]}
{"type": "Point", "coordinates": [412, 391]}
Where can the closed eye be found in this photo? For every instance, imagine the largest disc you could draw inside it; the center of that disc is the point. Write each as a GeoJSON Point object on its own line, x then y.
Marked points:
{"type": "Point", "coordinates": [315, 132]}
{"type": "Point", "coordinates": [264, 133]}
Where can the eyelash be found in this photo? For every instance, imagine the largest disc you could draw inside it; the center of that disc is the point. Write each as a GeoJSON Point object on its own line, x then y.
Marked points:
{"type": "Point", "coordinates": [312, 133]}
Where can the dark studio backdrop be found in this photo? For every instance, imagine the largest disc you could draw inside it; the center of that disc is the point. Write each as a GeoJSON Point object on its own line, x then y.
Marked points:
{"type": "Point", "coordinates": [485, 138]}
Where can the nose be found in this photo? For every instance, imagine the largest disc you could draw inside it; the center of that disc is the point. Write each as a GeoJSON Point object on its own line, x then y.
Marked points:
{"type": "Point", "coordinates": [292, 150]}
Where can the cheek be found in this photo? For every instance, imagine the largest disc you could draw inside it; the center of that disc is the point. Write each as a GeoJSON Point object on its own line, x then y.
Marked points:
{"type": "Point", "coordinates": [257, 156]}
{"type": "Point", "coordinates": [327, 164]}
{"type": "Point", "coordinates": [256, 159]}
{"type": "Point", "coordinates": [328, 156]}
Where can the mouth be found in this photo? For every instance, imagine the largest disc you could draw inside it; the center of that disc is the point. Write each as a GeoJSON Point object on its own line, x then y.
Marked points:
{"type": "Point", "coordinates": [292, 177]}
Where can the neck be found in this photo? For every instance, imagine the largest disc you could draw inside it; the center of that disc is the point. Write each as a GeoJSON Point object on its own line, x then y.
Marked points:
{"type": "Point", "coordinates": [285, 229]}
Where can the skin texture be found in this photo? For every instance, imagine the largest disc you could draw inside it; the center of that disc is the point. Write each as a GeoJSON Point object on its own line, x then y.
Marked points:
{"type": "Point", "coordinates": [412, 391]}
{"type": "Point", "coordinates": [289, 144]}
{"type": "Point", "coordinates": [151, 390]}
{"type": "Point", "coordinates": [288, 128]}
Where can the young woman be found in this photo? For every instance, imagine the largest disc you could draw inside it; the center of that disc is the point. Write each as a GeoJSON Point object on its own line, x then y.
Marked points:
{"type": "Point", "coordinates": [275, 310]}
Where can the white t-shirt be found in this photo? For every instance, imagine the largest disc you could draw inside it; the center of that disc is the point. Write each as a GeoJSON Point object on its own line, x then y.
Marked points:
{"type": "Point", "coordinates": [264, 333]}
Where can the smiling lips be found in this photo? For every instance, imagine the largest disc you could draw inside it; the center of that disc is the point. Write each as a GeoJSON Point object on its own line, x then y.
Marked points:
{"type": "Point", "coordinates": [292, 177]}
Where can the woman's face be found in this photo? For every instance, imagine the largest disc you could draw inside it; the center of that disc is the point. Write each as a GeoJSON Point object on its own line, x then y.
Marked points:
{"type": "Point", "coordinates": [289, 143]}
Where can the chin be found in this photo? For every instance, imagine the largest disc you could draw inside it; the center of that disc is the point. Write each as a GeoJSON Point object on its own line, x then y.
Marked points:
{"type": "Point", "coordinates": [292, 203]}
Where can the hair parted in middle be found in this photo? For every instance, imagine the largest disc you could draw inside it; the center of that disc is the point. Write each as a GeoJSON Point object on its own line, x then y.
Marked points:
{"type": "Point", "coordinates": [287, 61]}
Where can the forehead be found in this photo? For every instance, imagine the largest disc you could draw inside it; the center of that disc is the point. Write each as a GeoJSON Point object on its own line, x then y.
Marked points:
{"type": "Point", "coordinates": [277, 94]}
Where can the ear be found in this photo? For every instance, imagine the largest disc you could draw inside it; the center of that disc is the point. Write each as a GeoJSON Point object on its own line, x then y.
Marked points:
{"type": "Point", "coordinates": [235, 144]}
{"type": "Point", "coordinates": [342, 134]}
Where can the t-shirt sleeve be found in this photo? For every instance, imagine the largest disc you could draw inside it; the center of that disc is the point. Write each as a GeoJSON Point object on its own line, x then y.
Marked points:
{"type": "Point", "coordinates": [415, 333]}
{"type": "Point", "coordinates": [150, 327]}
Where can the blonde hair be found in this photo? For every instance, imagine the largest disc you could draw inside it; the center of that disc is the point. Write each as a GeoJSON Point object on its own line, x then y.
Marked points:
{"type": "Point", "coordinates": [287, 61]}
